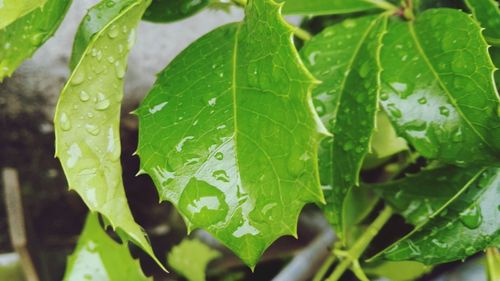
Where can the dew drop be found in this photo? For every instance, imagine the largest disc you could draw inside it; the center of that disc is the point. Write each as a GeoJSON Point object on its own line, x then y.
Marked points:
{"type": "Point", "coordinates": [113, 32]}
{"type": "Point", "coordinates": [65, 122]}
{"type": "Point", "coordinates": [78, 78]}
{"type": "Point", "coordinates": [443, 110]}
{"type": "Point", "coordinates": [471, 217]}
{"type": "Point", "coordinates": [348, 145]}
{"type": "Point", "coordinates": [120, 70]}
{"type": "Point", "coordinates": [394, 111]}
{"type": "Point", "coordinates": [219, 155]}
{"type": "Point", "coordinates": [102, 102]}
{"type": "Point", "coordinates": [84, 96]}
{"type": "Point", "coordinates": [422, 100]}
{"type": "Point", "coordinates": [384, 96]}
{"type": "Point", "coordinates": [220, 175]}
{"type": "Point", "coordinates": [92, 129]}
{"type": "Point", "coordinates": [37, 39]}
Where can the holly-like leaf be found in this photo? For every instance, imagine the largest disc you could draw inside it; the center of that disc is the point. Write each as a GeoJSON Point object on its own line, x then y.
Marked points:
{"type": "Point", "coordinates": [190, 258]}
{"type": "Point", "coordinates": [87, 119]}
{"type": "Point", "coordinates": [11, 10]}
{"type": "Point", "coordinates": [418, 197]}
{"type": "Point", "coordinates": [487, 13]}
{"type": "Point", "coordinates": [173, 10]}
{"type": "Point", "coordinates": [20, 39]}
{"type": "Point", "coordinates": [345, 58]}
{"type": "Point", "coordinates": [329, 7]}
{"type": "Point", "coordinates": [98, 257]}
{"type": "Point", "coordinates": [438, 87]}
{"type": "Point", "coordinates": [495, 56]}
{"type": "Point", "coordinates": [229, 136]}
{"type": "Point", "coordinates": [468, 223]}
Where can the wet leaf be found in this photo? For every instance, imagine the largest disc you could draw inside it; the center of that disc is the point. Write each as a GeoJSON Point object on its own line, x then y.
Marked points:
{"type": "Point", "coordinates": [190, 258]}
{"type": "Point", "coordinates": [488, 15]}
{"type": "Point", "coordinates": [438, 87]}
{"type": "Point", "coordinates": [172, 10]}
{"type": "Point", "coordinates": [98, 257]}
{"type": "Point", "coordinates": [20, 39]}
{"type": "Point", "coordinates": [87, 120]}
{"type": "Point", "coordinates": [12, 10]}
{"type": "Point", "coordinates": [328, 7]}
{"type": "Point", "coordinates": [468, 223]}
{"type": "Point", "coordinates": [345, 58]}
{"type": "Point", "coordinates": [228, 133]}
{"type": "Point", "coordinates": [418, 197]}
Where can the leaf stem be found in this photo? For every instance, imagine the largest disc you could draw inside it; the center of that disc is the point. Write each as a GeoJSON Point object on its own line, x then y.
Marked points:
{"type": "Point", "coordinates": [360, 246]}
{"type": "Point", "coordinates": [324, 268]}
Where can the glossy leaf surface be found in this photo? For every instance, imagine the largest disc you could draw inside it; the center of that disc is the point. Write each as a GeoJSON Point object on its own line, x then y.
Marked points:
{"type": "Point", "coordinates": [87, 120]}
{"type": "Point", "coordinates": [98, 257]}
{"type": "Point", "coordinates": [190, 258]}
{"type": "Point", "coordinates": [469, 223]}
{"type": "Point", "coordinates": [228, 133]}
{"type": "Point", "coordinates": [345, 58]}
{"type": "Point", "coordinates": [488, 15]}
{"type": "Point", "coordinates": [327, 7]}
{"type": "Point", "coordinates": [172, 10]}
{"type": "Point", "coordinates": [20, 39]}
{"type": "Point", "coordinates": [418, 197]}
{"type": "Point", "coordinates": [438, 87]}
{"type": "Point", "coordinates": [12, 10]}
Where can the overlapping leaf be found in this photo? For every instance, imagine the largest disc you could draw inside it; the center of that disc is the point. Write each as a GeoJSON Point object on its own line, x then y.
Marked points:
{"type": "Point", "coordinates": [488, 14]}
{"type": "Point", "coordinates": [438, 87]}
{"type": "Point", "coordinates": [172, 10]}
{"type": "Point", "coordinates": [11, 10]}
{"type": "Point", "coordinates": [345, 58]}
{"type": "Point", "coordinates": [98, 257]}
{"type": "Point", "coordinates": [229, 135]}
{"type": "Point", "coordinates": [469, 222]}
{"type": "Point", "coordinates": [190, 258]}
{"type": "Point", "coordinates": [493, 264]}
{"type": "Point", "coordinates": [328, 7]}
{"type": "Point", "coordinates": [22, 38]}
{"type": "Point", "coordinates": [87, 118]}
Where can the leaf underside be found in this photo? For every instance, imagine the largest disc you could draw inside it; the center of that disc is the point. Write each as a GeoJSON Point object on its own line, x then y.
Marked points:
{"type": "Point", "coordinates": [325, 7]}
{"type": "Point", "coordinates": [229, 136]}
{"type": "Point", "coordinates": [173, 10]}
{"type": "Point", "coordinates": [87, 119]}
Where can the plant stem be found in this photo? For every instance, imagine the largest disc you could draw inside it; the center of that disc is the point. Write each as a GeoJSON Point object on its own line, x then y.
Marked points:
{"type": "Point", "coordinates": [360, 246]}
{"type": "Point", "coordinates": [383, 5]}
{"type": "Point", "coordinates": [324, 268]}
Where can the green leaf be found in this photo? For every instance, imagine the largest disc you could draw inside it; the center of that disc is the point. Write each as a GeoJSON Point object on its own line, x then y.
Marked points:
{"type": "Point", "coordinates": [172, 10]}
{"type": "Point", "coordinates": [190, 258]}
{"type": "Point", "coordinates": [438, 87]}
{"type": "Point", "coordinates": [11, 10]}
{"type": "Point", "coordinates": [468, 223]}
{"type": "Point", "coordinates": [398, 271]}
{"type": "Point", "coordinates": [493, 264]}
{"type": "Point", "coordinates": [87, 120]}
{"type": "Point", "coordinates": [22, 38]}
{"type": "Point", "coordinates": [329, 7]}
{"type": "Point", "coordinates": [229, 136]}
{"type": "Point", "coordinates": [344, 57]}
{"type": "Point", "coordinates": [98, 257]}
{"type": "Point", "coordinates": [495, 56]}
{"type": "Point", "coordinates": [418, 197]}
{"type": "Point", "coordinates": [488, 14]}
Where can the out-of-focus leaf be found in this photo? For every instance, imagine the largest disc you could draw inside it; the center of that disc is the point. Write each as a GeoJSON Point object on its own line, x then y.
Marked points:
{"type": "Point", "coordinates": [190, 258]}
{"type": "Point", "coordinates": [10, 267]}
{"type": "Point", "coordinates": [329, 7]}
{"type": "Point", "coordinates": [20, 39]}
{"type": "Point", "coordinates": [493, 264]}
{"type": "Point", "coordinates": [87, 119]}
{"type": "Point", "coordinates": [229, 136]}
{"type": "Point", "coordinates": [488, 15]}
{"type": "Point", "coordinates": [469, 222]}
{"type": "Point", "coordinates": [12, 10]}
{"type": "Point", "coordinates": [173, 10]}
{"type": "Point", "coordinates": [98, 257]}
{"type": "Point", "coordinates": [438, 87]}
{"type": "Point", "coordinates": [397, 270]}
{"type": "Point", "coordinates": [345, 57]}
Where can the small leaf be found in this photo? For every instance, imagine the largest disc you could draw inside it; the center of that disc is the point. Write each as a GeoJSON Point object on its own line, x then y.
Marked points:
{"type": "Point", "coordinates": [12, 10]}
{"type": "Point", "coordinates": [228, 133]}
{"type": "Point", "coordinates": [397, 271]}
{"type": "Point", "coordinates": [345, 58]}
{"type": "Point", "coordinates": [87, 118]}
{"type": "Point", "coordinates": [328, 7]}
{"type": "Point", "coordinates": [438, 87]}
{"type": "Point", "coordinates": [488, 14]}
{"type": "Point", "coordinates": [173, 10]}
{"type": "Point", "coordinates": [469, 223]}
{"type": "Point", "coordinates": [20, 39]}
{"type": "Point", "coordinates": [190, 258]}
{"type": "Point", "coordinates": [98, 257]}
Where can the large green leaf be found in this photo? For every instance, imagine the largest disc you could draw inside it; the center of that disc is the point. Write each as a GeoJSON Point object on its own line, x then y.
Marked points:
{"type": "Point", "coordinates": [418, 197]}
{"type": "Point", "coordinates": [468, 223]}
{"type": "Point", "coordinates": [98, 257]}
{"type": "Point", "coordinates": [328, 7]}
{"type": "Point", "coordinates": [229, 135]}
{"type": "Point", "coordinates": [11, 10]}
{"type": "Point", "coordinates": [190, 258]}
{"type": "Point", "coordinates": [345, 58]}
{"type": "Point", "coordinates": [22, 38]}
{"type": "Point", "coordinates": [87, 120]}
{"type": "Point", "coordinates": [488, 14]}
{"type": "Point", "coordinates": [172, 10]}
{"type": "Point", "coordinates": [438, 87]}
